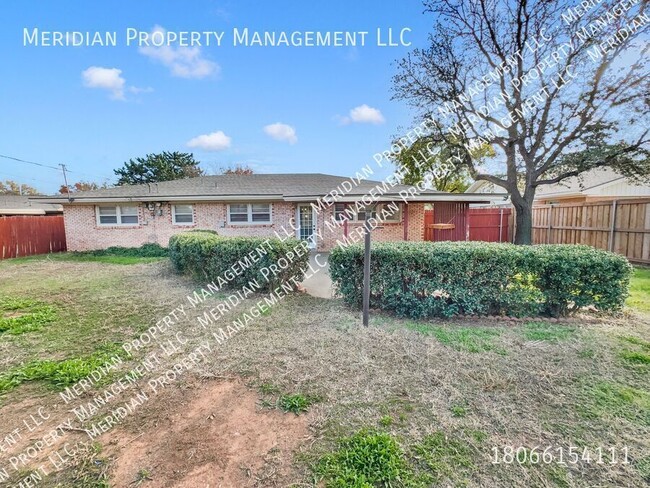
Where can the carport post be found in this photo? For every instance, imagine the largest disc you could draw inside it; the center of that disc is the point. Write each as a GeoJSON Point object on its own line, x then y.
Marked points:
{"type": "Point", "coordinates": [366, 275]}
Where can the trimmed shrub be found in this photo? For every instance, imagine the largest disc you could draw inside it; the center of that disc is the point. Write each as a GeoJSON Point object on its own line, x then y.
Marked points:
{"type": "Point", "coordinates": [443, 279]}
{"type": "Point", "coordinates": [151, 250]}
{"type": "Point", "coordinates": [238, 261]}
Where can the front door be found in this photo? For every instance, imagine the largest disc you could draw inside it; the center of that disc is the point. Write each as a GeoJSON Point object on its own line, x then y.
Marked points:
{"type": "Point", "coordinates": [306, 230]}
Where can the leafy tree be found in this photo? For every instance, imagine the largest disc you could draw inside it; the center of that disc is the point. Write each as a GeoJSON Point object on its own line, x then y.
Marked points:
{"type": "Point", "coordinates": [81, 186]}
{"type": "Point", "coordinates": [10, 187]}
{"type": "Point", "coordinates": [554, 92]}
{"type": "Point", "coordinates": [237, 169]}
{"type": "Point", "coordinates": [427, 159]}
{"type": "Point", "coordinates": [152, 168]}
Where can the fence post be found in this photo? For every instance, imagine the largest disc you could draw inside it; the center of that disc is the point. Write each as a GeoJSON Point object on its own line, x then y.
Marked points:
{"type": "Point", "coordinates": [549, 227]}
{"type": "Point", "coordinates": [612, 226]}
{"type": "Point", "coordinates": [500, 224]}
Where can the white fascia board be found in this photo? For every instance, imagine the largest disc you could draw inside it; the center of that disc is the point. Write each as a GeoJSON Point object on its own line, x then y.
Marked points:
{"type": "Point", "coordinates": [158, 198]}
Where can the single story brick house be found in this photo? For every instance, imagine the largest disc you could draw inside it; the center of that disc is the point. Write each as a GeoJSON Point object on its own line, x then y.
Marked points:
{"type": "Point", "coordinates": [319, 208]}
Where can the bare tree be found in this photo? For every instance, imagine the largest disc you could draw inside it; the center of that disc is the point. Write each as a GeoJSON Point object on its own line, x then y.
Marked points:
{"type": "Point", "coordinates": [557, 88]}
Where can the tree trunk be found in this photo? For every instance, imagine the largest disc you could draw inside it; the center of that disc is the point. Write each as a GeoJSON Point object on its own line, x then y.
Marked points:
{"type": "Point", "coordinates": [524, 222]}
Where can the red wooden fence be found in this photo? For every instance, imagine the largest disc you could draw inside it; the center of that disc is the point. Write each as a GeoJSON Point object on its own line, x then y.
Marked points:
{"type": "Point", "coordinates": [448, 213]}
{"type": "Point", "coordinates": [31, 234]}
{"type": "Point", "coordinates": [489, 224]}
{"type": "Point", "coordinates": [474, 224]}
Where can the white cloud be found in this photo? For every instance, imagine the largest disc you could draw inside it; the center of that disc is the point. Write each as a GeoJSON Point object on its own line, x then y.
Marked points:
{"type": "Point", "coordinates": [363, 114]}
{"type": "Point", "coordinates": [184, 62]}
{"type": "Point", "coordinates": [106, 79]}
{"type": "Point", "coordinates": [215, 141]}
{"type": "Point", "coordinates": [281, 132]}
{"type": "Point", "coordinates": [136, 91]}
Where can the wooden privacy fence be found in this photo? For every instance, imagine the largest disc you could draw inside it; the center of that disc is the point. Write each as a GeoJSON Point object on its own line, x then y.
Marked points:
{"type": "Point", "coordinates": [448, 221]}
{"type": "Point", "coordinates": [621, 226]}
{"type": "Point", "coordinates": [489, 224]}
{"type": "Point", "coordinates": [31, 234]}
{"type": "Point", "coordinates": [458, 222]}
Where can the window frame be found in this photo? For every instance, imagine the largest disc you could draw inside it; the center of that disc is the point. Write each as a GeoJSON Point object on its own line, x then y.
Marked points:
{"type": "Point", "coordinates": [249, 214]}
{"type": "Point", "coordinates": [191, 213]}
{"type": "Point", "coordinates": [118, 215]}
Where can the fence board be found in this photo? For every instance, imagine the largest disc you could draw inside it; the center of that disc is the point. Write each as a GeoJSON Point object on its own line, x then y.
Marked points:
{"type": "Point", "coordinates": [25, 235]}
{"type": "Point", "coordinates": [623, 227]}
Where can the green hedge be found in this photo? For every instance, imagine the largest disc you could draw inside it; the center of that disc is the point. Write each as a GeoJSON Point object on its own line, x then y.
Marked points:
{"type": "Point", "coordinates": [207, 256]}
{"type": "Point", "coordinates": [444, 279]}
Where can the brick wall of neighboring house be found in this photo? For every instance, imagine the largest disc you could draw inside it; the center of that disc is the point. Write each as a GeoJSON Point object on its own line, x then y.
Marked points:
{"type": "Point", "coordinates": [83, 233]}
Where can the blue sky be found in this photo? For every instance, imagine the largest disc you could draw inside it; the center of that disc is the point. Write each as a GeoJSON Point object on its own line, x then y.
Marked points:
{"type": "Point", "coordinates": [160, 100]}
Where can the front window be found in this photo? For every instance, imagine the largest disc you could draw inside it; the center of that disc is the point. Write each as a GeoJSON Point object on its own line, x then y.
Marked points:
{"type": "Point", "coordinates": [183, 215]}
{"type": "Point", "coordinates": [249, 213]}
{"type": "Point", "coordinates": [117, 215]}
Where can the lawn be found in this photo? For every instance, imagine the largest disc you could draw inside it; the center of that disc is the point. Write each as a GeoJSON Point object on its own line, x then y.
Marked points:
{"type": "Point", "coordinates": [402, 403]}
{"type": "Point", "coordinates": [640, 290]}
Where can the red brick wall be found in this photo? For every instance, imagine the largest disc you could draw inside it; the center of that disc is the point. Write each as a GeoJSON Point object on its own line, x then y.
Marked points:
{"type": "Point", "coordinates": [83, 233]}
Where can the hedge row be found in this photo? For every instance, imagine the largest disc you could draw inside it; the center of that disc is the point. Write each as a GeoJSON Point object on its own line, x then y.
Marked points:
{"type": "Point", "coordinates": [238, 260]}
{"type": "Point", "coordinates": [444, 279]}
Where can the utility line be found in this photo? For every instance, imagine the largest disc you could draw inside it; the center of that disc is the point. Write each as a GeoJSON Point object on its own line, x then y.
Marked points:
{"type": "Point", "coordinates": [54, 167]}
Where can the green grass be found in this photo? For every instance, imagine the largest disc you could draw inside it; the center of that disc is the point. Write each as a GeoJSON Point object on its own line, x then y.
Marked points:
{"type": "Point", "coordinates": [20, 315]}
{"type": "Point", "coordinates": [607, 399]}
{"type": "Point", "coordinates": [635, 357]}
{"type": "Point", "coordinates": [59, 374]}
{"type": "Point", "coordinates": [386, 421]}
{"type": "Point", "coordinates": [643, 467]}
{"type": "Point", "coordinates": [146, 253]}
{"type": "Point", "coordinates": [294, 403]}
{"type": "Point", "coordinates": [639, 298]}
{"type": "Point", "coordinates": [636, 341]}
{"type": "Point", "coordinates": [365, 460]}
{"type": "Point", "coordinates": [548, 332]}
{"type": "Point", "coordinates": [445, 458]}
{"type": "Point", "coordinates": [458, 411]}
{"type": "Point", "coordinates": [469, 339]}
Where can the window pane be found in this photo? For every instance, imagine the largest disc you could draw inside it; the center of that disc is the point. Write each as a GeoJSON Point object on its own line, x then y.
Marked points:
{"type": "Point", "coordinates": [129, 219]}
{"type": "Point", "coordinates": [390, 214]}
{"type": "Point", "coordinates": [238, 208]}
{"type": "Point", "coordinates": [184, 219]}
{"type": "Point", "coordinates": [108, 219]}
{"type": "Point", "coordinates": [261, 208]}
{"type": "Point", "coordinates": [261, 217]}
{"type": "Point", "coordinates": [238, 217]}
{"type": "Point", "coordinates": [339, 211]}
{"type": "Point", "coordinates": [183, 209]}
{"type": "Point", "coordinates": [129, 210]}
{"type": "Point", "coordinates": [107, 210]}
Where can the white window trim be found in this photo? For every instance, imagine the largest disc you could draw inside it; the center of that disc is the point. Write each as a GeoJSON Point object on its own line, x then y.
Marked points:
{"type": "Point", "coordinates": [249, 208]}
{"type": "Point", "coordinates": [118, 213]}
{"type": "Point", "coordinates": [182, 223]}
{"type": "Point", "coordinates": [357, 220]}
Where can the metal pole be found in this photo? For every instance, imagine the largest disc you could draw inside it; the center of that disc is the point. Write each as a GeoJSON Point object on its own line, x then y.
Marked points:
{"type": "Point", "coordinates": [65, 179]}
{"type": "Point", "coordinates": [366, 275]}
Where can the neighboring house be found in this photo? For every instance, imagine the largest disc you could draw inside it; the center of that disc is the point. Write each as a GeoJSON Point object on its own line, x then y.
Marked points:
{"type": "Point", "coordinates": [22, 205]}
{"type": "Point", "coordinates": [265, 205]}
{"type": "Point", "coordinates": [601, 184]}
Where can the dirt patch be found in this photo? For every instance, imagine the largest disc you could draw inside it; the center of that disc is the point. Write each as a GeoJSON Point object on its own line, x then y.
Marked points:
{"type": "Point", "coordinates": [211, 434]}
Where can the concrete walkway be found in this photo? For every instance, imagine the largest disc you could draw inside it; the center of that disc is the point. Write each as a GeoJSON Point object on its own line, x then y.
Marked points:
{"type": "Point", "coordinates": [319, 284]}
